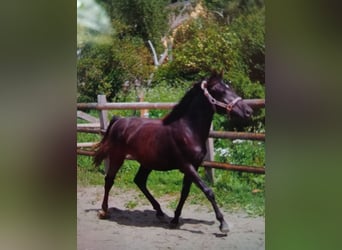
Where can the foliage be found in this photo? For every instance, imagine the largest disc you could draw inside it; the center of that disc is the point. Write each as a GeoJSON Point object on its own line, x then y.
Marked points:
{"type": "Point", "coordinates": [239, 152]}
{"type": "Point", "coordinates": [233, 8]}
{"type": "Point", "coordinates": [198, 49]}
{"type": "Point", "coordinates": [199, 46]}
{"type": "Point", "coordinates": [250, 29]}
{"type": "Point", "coordinates": [147, 19]}
{"type": "Point", "coordinates": [102, 68]}
{"type": "Point", "coordinates": [237, 48]}
{"type": "Point", "coordinates": [95, 72]}
{"type": "Point", "coordinates": [206, 42]}
{"type": "Point", "coordinates": [134, 58]}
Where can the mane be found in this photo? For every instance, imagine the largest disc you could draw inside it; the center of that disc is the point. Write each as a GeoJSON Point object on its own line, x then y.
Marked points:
{"type": "Point", "coordinates": [179, 110]}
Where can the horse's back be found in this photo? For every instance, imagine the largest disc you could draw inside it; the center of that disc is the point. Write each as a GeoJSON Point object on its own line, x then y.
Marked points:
{"type": "Point", "coordinates": [125, 128]}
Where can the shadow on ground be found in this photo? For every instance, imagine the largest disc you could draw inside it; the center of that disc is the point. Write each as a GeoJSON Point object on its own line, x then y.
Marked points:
{"type": "Point", "coordinates": [148, 218]}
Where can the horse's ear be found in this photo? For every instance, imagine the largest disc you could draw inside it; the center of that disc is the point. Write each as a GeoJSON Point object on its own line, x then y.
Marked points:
{"type": "Point", "coordinates": [214, 73]}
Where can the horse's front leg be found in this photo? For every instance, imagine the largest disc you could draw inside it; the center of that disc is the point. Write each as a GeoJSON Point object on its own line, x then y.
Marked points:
{"type": "Point", "coordinates": [184, 194]}
{"type": "Point", "coordinates": [192, 174]}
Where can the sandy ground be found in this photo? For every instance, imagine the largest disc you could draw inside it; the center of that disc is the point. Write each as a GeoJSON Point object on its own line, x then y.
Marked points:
{"type": "Point", "coordinates": [139, 228]}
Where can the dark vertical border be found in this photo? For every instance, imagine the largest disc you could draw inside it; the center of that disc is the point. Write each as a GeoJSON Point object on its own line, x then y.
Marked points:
{"type": "Point", "coordinates": [303, 148]}
{"type": "Point", "coordinates": [38, 107]}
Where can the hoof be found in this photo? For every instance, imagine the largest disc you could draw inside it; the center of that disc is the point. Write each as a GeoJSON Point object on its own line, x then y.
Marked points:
{"type": "Point", "coordinates": [103, 215]}
{"type": "Point", "coordinates": [174, 224]}
{"type": "Point", "coordinates": [224, 228]}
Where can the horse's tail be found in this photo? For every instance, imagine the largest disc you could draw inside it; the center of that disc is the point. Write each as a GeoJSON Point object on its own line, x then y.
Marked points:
{"type": "Point", "coordinates": [102, 148]}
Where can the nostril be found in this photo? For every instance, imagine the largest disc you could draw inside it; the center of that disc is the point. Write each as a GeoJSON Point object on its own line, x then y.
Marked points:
{"type": "Point", "coordinates": [249, 112]}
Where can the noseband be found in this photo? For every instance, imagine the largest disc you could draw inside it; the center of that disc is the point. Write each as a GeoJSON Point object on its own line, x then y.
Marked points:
{"type": "Point", "coordinates": [214, 102]}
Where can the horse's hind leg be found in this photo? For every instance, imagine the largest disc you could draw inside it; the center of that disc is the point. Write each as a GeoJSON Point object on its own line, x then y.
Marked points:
{"type": "Point", "coordinates": [115, 162]}
{"type": "Point", "coordinates": [140, 179]}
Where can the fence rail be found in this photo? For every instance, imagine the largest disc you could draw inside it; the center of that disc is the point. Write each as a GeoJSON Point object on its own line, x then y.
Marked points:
{"type": "Point", "coordinates": [95, 129]}
{"type": "Point", "coordinates": [99, 126]}
{"type": "Point", "coordinates": [254, 103]}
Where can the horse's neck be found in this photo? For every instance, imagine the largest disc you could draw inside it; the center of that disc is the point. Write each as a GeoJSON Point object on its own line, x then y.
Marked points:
{"type": "Point", "coordinates": [199, 116]}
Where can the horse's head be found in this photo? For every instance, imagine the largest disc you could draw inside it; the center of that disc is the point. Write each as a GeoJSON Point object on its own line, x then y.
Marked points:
{"type": "Point", "coordinates": [223, 97]}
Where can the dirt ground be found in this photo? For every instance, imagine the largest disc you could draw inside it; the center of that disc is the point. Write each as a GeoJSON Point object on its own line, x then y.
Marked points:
{"type": "Point", "coordinates": [139, 228]}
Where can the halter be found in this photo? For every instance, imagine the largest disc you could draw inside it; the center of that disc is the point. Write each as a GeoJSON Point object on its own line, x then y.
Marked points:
{"type": "Point", "coordinates": [214, 102]}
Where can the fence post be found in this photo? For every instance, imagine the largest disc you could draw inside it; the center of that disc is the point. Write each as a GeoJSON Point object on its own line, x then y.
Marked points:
{"type": "Point", "coordinates": [101, 100]}
{"type": "Point", "coordinates": [210, 157]}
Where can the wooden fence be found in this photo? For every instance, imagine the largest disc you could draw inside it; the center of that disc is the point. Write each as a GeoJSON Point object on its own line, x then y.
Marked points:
{"type": "Point", "coordinates": [99, 126]}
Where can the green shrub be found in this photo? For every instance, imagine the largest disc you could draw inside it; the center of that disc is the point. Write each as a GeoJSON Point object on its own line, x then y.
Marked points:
{"type": "Point", "coordinates": [103, 68]}
{"type": "Point", "coordinates": [250, 28]}
{"type": "Point", "coordinates": [96, 72]}
{"type": "Point", "coordinates": [239, 152]}
{"type": "Point", "coordinates": [146, 19]}
{"type": "Point", "coordinates": [204, 45]}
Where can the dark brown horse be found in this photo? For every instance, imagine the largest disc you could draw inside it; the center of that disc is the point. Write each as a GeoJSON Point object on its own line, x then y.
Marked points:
{"type": "Point", "coordinates": [175, 142]}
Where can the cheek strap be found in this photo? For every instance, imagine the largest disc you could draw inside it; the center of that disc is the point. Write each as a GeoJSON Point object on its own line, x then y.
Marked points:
{"type": "Point", "coordinates": [213, 101]}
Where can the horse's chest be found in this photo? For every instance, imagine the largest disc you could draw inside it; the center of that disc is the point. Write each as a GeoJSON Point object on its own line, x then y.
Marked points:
{"type": "Point", "coordinates": [192, 145]}
{"type": "Point", "coordinates": [192, 149]}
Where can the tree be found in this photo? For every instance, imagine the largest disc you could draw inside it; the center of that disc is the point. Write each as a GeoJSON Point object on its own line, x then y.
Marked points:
{"type": "Point", "coordinates": [146, 18]}
{"type": "Point", "coordinates": [96, 72]}
{"type": "Point", "coordinates": [228, 10]}
{"type": "Point", "coordinates": [250, 28]}
{"type": "Point", "coordinates": [103, 68]}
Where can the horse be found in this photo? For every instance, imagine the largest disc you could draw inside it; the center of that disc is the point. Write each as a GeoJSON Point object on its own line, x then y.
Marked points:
{"type": "Point", "coordinates": [177, 141]}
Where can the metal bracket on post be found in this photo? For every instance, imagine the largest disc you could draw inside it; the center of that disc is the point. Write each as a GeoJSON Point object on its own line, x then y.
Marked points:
{"type": "Point", "coordinates": [210, 157]}
{"type": "Point", "coordinates": [101, 100]}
